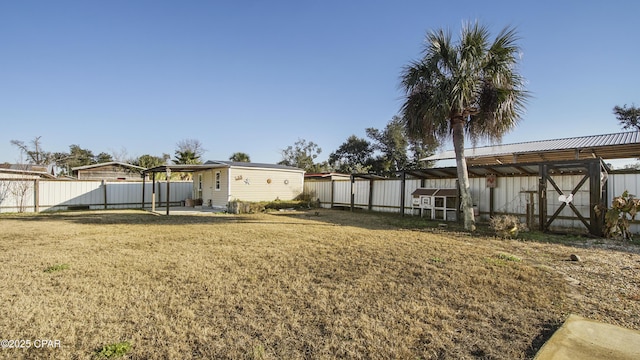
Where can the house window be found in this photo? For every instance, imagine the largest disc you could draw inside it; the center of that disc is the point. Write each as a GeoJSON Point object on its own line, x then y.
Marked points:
{"type": "Point", "coordinates": [217, 180]}
{"type": "Point", "coordinates": [199, 186]}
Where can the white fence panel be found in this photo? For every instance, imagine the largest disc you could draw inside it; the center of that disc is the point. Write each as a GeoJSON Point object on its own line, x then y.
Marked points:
{"type": "Point", "coordinates": [61, 195]}
{"type": "Point", "coordinates": [361, 193]}
{"type": "Point", "coordinates": [16, 195]}
{"type": "Point", "coordinates": [321, 189]}
{"type": "Point", "coordinates": [386, 195]}
{"type": "Point", "coordinates": [342, 192]}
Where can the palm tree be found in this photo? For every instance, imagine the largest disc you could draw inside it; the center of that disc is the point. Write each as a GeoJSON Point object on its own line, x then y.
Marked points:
{"type": "Point", "coordinates": [469, 88]}
{"type": "Point", "coordinates": [240, 157]}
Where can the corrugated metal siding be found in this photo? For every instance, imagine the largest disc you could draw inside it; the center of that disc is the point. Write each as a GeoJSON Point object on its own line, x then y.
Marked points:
{"type": "Point", "coordinates": [546, 145]}
{"type": "Point", "coordinates": [321, 190]}
{"type": "Point", "coordinates": [619, 183]}
{"type": "Point", "coordinates": [510, 195]}
{"type": "Point", "coordinates": [59, 195]}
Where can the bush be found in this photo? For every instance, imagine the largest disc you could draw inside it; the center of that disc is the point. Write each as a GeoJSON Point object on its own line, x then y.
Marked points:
{"type": "Point", "coordinates": [507, 226]}
{"type": "Point", "coordinates": [617, 219]}
{"type": "Point", "coordinates": [247, 207]}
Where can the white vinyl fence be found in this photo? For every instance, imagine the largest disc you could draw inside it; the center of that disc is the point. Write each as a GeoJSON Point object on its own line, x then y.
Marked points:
{"type": "Point", "coordinates": [35, 195]}
{"type": "Point", "coordinates": [511, 196]}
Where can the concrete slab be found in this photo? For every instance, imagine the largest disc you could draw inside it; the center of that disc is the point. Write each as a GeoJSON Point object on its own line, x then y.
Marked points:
{"type": "Point", "coordinates": [580, 338]}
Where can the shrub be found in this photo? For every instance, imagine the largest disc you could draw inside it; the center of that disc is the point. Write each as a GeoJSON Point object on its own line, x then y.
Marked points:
{"type": "Point", "coordinates": [617, 219]}
{"type": "Point", "coordinates": [247, 207]}
{"type": "Point", "coordinates": [506, 226]}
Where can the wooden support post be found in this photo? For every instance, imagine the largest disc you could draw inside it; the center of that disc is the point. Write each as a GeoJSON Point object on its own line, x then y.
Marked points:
{"type": "Point", "coordinates": [333, 183]}
{"type": "Point", "coordinates": [595, 190]}
{"type": "Point", "coordinates": [370, 207]}
{"type": "Point", "coordinates": [403, 186]}
{"type": "Point", "coordinates": [143, 187]}
{"type": "Point", "coordinates": [168, 189]}
{"type": "Point", "coordinates": [104, 193]}
{"type": "Point", "coordinates": [153, 193]}
{"type": "Point", "coordinates": [491, 202]}
{"type": "Point", "coordinates": [353, 194]}
{"type": "Point", "coordinates": [36, 195]}
{"type": "Point", "coordinates": [542, 197]}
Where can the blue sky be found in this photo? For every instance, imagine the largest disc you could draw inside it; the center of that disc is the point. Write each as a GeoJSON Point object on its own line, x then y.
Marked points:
{"type": "Point", "coordinates": [254, 76]}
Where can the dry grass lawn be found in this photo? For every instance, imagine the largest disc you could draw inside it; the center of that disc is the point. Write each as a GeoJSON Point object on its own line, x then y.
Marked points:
{"type": "Point", "coordinates": [295, 286]}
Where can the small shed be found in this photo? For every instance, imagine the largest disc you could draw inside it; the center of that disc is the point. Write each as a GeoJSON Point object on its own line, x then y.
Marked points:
{"type": "Point", "coordinates": [219, 182]}
{"type": "Point", "coordinates": [112, 170]}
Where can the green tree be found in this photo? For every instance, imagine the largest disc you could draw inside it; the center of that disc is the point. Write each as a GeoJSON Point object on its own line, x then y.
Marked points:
{"type": "Point", "coordinates": [629, 118]}
{"type": "Point", "coordinates": [149, 161]}
{"type": "Point", "coordinates": [103, 157]}
{"type": "Point", "coordinates": [186, 157]}
{"type": "Point", "coordinates": [303, 155]}
{"type": "Point", "coordinates": [468, 88]}
{"type": "Point", "coordinates": [240, 157]}
{"type": "Point", "coordinates": [353, 156]}
{"type": "Point", "coordinates": [190, 149]}
{"type": "Point", "coordinates": [392, 143]}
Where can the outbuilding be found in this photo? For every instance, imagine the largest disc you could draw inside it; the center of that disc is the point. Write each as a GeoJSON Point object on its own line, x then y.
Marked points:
{"type": "Point", "coordinates": [219, 182]}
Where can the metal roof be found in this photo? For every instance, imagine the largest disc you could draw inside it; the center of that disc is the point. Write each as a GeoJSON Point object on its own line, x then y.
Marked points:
{"type": "Point", "coordinates": [107, 164]}
{"type": "Point", "coordinates": [608, 146]}
{"type": "Point", "coordinates": [252, 165]}
{"type": "Point", "coordinates": [525, 169]}
{"type": "Point", "coordinates": [217, 165]}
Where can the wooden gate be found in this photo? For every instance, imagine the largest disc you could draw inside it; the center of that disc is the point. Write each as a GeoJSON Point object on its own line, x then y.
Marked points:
{"type": "Point", "coordinates": [593, 175]}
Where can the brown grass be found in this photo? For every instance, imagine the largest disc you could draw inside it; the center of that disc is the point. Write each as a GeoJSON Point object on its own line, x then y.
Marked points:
{"type": "Point", "coordinates": [294, 286]}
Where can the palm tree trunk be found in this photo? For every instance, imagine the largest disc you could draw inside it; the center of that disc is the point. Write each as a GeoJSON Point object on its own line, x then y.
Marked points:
{"type": "Point", "coordinates": [466, 202]}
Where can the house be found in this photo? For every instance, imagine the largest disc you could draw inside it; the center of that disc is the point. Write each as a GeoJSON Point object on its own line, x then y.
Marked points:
{"type": "Point", "coordinates": [219, 182]}
{"type": "Point", "coordinates": [112, 170]}
{"type": "Point", "coordinates": [24, 171]}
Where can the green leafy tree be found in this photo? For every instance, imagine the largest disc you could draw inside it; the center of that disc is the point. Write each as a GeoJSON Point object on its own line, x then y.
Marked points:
{"type": "Point", "coordinates": [149, 161]}
{"type": "Point", "coordinates": [629, 118]}
{"type": "Point", "coordinates": [353, 156]}
{"type": "Point", "coordinates": [466, 88]}
{"type": "Point", "coordinates": [103, 157]}
{"type": "Point", "coordinates": [240, 157]}
{"type": "Point", "coordinates": [186, 157]}
{"type": "Point", "coordinates": [303, 155]}
{"type": "Point", "coordinates": [392, 143]}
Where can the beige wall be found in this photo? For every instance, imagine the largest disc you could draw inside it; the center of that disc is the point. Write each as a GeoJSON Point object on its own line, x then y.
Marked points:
{"type": "Point", "coordinates": [248, 184]}
{"type": "Point", "coordinates": [251, 184]}
{"type": "Point", "coordinates": [218, 197]}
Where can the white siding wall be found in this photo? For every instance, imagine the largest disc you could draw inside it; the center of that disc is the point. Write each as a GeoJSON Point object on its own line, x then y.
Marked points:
{"type": "Point", "coordinates": [59, 195]}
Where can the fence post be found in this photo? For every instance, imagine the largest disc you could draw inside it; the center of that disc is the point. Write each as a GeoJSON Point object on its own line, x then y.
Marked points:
{"type": "Point", "coordinates": [36, 195]}
{"type": "Point", "coordinates": [332, 190]}
{"type": "Point", "coordinates": [353, 194]}
{"type": "Point", "coordinates": [104, 193]}
{"type": "Point", "coordinates": [153, 193]}
{"type": "Point", "coordinates": [402, 191]}
{"type": "Point", "coordinates": [144, 185]}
